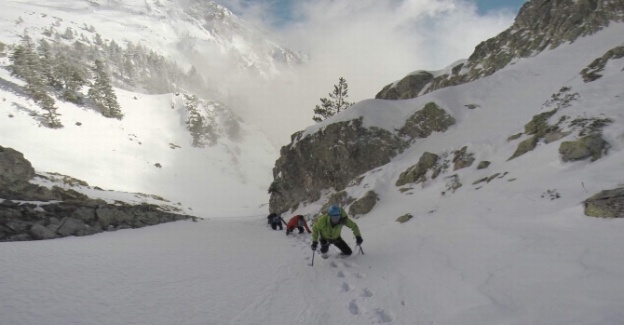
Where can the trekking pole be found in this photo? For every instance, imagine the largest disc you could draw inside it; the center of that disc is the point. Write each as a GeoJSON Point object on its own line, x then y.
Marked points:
{"type": "Point", "coordinates": [361, 250]}
{"type": "Point", "coordinates": [312, 264]}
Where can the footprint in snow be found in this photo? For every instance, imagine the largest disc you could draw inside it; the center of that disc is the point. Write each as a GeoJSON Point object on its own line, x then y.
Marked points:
{"type": "Point", "coordinates": [366, 293]}
{"type": "Point", "coordinates": [353, 308]}
{"type": "Point", "coordinates": [333, 264]}
{"type": "Point", "coordinates": [382, 317]}
{"type": "Point", "coordinates": [345, 287]}
{"type": "Point", "coordinates": [359, 275]}
{"type": "Point", "coordinates": [341, 274]}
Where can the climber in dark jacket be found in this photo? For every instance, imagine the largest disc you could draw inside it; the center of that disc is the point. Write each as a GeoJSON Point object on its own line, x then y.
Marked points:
{"type": "Point", "coordinates": [275, 221]}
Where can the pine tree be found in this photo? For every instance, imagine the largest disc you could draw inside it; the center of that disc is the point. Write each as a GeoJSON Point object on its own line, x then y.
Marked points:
{"type": "Point", "coordinates": [102, 94]}
{"type": "Point", "coordinates": [72, 76]}
{"type": "Point", "coordinates": [47, 63]}
{"type": "Point", "coordinates": [27, 65]}
{"type": "Point", "coordinates": [334, 104]}
{"type": "Point", "coordinates": [195, 122]}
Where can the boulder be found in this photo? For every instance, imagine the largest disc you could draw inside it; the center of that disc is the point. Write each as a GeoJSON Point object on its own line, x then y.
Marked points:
{"type": "Point", "coordinates": [112, 216]}
{"type": "Point", "coordinates": [525, 146]}
{"type": "Point", "coordinates": [424, 122]}
{"type": "Point", "coordinates": [606, 204]}
{"type": "Point", "coordinates": [70, 226]}
{"type": "Point", "coordinates": [416, 173]}
{"type": "Point", "coordinates": [589, 146]}
{"type": "Point", "coordinates": [483, 164]}
{"type": "Point", "coordinates": [15, 170]}
{"type": "Point", "coordinates": [365, 204]}
{"type": "Point", "coordinates": [39, 231]}
{"type": "Point", "coordinates": [462, 158]}
{"type": "Point", "coordinates": [404, 218]}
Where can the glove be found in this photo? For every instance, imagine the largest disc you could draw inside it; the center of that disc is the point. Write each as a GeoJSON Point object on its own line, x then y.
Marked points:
{"type": "Point", "coordinates": [359, 240]}
{"type": "Point", "coordinates": [314, 244]}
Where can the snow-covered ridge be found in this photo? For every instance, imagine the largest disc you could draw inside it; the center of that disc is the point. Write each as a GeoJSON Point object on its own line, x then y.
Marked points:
{"type": "Point", "coordinates": [163, 140]}
{"type": "Point", "coordinates": [492, 122]}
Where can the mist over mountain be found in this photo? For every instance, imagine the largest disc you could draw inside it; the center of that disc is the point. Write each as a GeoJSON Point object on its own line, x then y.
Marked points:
{"type": "Point", "coordinates": [171, 66]}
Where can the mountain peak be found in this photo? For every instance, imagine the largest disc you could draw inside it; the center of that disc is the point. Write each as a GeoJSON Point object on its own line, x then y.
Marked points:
{"type": "Point", "coordinates": [540, 25]}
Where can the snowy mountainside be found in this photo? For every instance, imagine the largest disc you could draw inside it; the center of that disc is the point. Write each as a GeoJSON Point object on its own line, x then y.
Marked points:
{"type": "Point", "coordinates": [489, 112]}
{"type": "Point", "coordinates": [184, 31]}
{"type": "Point", "coordinates": [148, 151]}
{"type": "Point", "coordinates": [170, 62]}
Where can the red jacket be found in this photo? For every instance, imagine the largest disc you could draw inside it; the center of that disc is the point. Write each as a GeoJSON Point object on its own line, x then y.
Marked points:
{"type": "Point", "coordinates": [294, 223]}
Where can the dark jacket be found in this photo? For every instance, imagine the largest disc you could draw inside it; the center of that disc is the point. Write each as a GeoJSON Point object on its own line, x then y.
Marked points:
{"type": "Point", "coordinates": [275, 219]}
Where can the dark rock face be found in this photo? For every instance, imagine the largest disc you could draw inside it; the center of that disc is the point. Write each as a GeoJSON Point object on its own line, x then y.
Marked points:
{"type": "Point", "coordinates": [15, 171]}
{"type": "Point", "coordinates": [462, 158]}
{"type": "Point", "coordinates": [525, 146]}
{"type": "Point", "coordinates": [416, 173]}
{"type": "Point", "coordinates": [365, 204]}
{"type": "Point", "coordinates": [62, 212]}
{"type": "Point", "coordinates": [590, 146]}
{"type": "Point", "coordinates": [591, 73]}
{"type": "Point", "coordinates": [606, 204]}
{"type": "Point", "coordinates": [329, 158]}
{"type": "Point", "coordinates": [75, 218]}
{"type": "Point", "coordinates": [408, 87]}
{"type": "Point", "coordinates": [424, 122]}
{"type": "Point", "coordinates": [540, 25]}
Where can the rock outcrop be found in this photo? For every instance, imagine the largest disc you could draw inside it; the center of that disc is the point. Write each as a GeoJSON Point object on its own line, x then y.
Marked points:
{"type": "Point", "coordinates": [31, 212]}
{"type": "Point", "coordinates": [33, 221]}
{"type": "Point", "coordinates": [417, 172]}
{"type": "Point", "coordinates": [365, 204]}
{"type": "Point", "coordinates": [408, 87]}
{"type": "Point", "coordinates": [606, 204]}
{"type": "Point", "coordinates": [424, 122]}
{"type": "Point", "coordinates": [329, 158]}
{"type": "Point", "coordinates": [592, 72]}
{"type": "Point", "coordinates": [590, 146]}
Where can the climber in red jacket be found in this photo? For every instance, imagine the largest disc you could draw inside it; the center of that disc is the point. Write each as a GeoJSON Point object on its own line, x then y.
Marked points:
{"type": "Point", "coordinates": [298, 222]}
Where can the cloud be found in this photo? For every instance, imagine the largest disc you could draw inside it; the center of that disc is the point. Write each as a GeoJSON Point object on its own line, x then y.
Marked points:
{"type": "Point", "coordinates": [371, 43]}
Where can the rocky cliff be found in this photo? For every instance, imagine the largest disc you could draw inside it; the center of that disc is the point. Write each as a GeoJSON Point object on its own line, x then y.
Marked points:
{"type": "Point", "coordinates": [330, 158]}
{"type": "Point", "coordinates": [540, 25]}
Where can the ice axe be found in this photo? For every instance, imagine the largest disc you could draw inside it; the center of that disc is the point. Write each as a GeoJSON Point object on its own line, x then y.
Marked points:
{"type": "Point", "coordinates": [312, 264]}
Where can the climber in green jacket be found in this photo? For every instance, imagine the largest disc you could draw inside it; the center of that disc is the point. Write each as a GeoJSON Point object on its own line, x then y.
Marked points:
{"type": "Point", "coordinates": [328, 227]}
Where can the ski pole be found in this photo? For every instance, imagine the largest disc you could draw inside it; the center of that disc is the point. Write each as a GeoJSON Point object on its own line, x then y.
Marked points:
{"type": "Point", "coordinates": [312, 264]}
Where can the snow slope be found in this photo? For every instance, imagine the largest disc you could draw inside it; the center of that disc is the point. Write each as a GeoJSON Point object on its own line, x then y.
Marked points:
{"type": "Point", "coordinates": [148, 151]}
{"type": "Point", "coordinates": [505, 252]}
{"type": "Point", "coordinates": [559, 268]}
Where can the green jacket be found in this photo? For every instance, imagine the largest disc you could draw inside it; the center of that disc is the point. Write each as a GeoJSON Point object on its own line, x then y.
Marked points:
{"type": "Point", "coordinates": [323, 227]}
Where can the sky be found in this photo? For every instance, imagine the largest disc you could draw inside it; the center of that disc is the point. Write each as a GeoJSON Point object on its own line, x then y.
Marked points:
{"type": "Point", "coordinates": [508, 251]}
{"type": "Point", "coordinates": [282, 12]}
{"type": "Point", "coordinates": [515, 250]}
